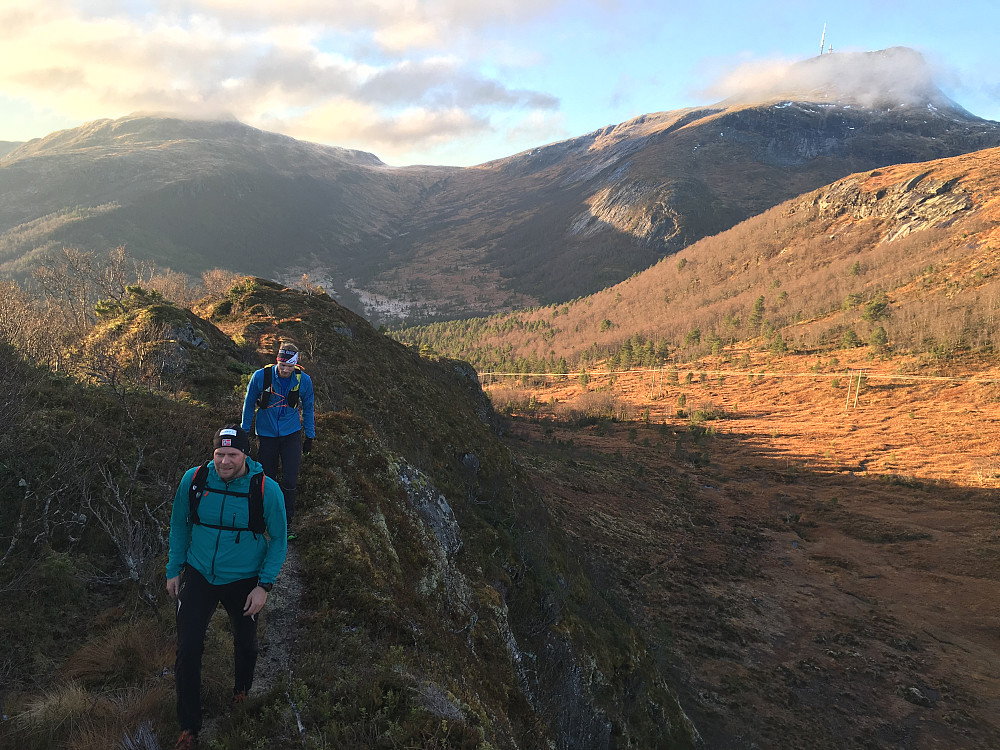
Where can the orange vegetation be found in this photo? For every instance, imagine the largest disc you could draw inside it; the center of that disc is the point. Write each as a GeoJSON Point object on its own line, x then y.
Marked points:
{"type": "Point", "coordinates": [821, 568]}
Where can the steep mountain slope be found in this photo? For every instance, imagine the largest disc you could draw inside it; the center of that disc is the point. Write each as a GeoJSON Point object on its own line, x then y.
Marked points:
{"type": "Point", "coordinates": [909, 249]}
{"type": "Point", "coordinates": [546, 225]}
{"type": "Point", "coordinates": [580, 214]}
{"type": "Point", "coordinates": [195, 195]}
{"type": "Point", "coordinates": [441, 605]}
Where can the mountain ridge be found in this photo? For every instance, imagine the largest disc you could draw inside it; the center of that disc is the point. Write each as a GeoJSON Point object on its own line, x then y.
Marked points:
{"type": "Point", "coordinates": [923, 236]}
{"type": "Point", "coordinates": [410, 243]}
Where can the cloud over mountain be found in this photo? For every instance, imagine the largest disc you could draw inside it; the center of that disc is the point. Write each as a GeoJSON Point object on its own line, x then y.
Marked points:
{"type": "Point", "coordinates": [332, 72]}
{"type": "Point", "coordinates": [891, 77]}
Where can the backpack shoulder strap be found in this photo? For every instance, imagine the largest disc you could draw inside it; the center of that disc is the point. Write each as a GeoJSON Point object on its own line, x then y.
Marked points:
{"type": "Point", "coordinates": [195, 491]}
{"type": "Point", "coordinates": [265, 391]}
{"type": "Point", "coordinates": [256, 503]}
{"type": "Point", "coordinates": [293, 394]}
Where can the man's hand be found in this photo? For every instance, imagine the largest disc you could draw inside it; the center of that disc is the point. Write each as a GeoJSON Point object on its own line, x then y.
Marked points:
{"type": "Point", "coordinates": [173, 586]}
{"type": "Point", "coordinates": [255, 602]}
{"type": "Point", "coordinates": [307, 446]}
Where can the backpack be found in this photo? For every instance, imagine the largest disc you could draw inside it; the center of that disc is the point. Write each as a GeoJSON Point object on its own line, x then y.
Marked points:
{"type": "Point", "coordinates": [255, 501]}
{"type": "Point", "coordinates": [263, 401]}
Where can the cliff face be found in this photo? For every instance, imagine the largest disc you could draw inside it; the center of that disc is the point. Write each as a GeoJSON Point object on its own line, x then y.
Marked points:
{"type": "Point", "coordinates": [913, 205]}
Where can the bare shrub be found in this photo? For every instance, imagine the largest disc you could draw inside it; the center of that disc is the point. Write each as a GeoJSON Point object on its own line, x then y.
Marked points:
{"type": "Point", "coordinates": [26, 324]}
{"type": "Point", "coordinates": [509, 400]}
{"type": "Point", "coordinates": [217, 282]}
{"type": "Point", "coordinates": [174, 286]}
{"type": "Point", "coordinates": [591, 405]}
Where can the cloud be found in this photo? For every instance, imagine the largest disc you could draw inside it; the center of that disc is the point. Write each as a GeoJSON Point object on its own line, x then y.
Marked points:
{"type": "Point", "coordinates": [537, 127]}
{"type": "Point", "coordinates": [396, 26]}
{"type": "Point", "coordinates": [894, 76]}
{"type": "Point", "coordinates": [294, 62]}
{"type": "Point", "coordinates": [358, 125]}
{"type": "Point", "coordinates": [443, 82]}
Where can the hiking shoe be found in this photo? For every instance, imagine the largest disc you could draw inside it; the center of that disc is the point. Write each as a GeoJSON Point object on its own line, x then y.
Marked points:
{"type": "Point", "coordinates": [292, 536]}
{"type": "Point", "coordinates": [187, 741]}
{"type": "Point", "coordinates": [239, 698]}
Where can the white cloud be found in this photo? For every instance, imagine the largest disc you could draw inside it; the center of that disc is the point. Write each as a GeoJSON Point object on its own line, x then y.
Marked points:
{"type": "Point", "coordinates": [269, 63]}
{"type": "Point", "coordinates": [352, 124]}
{"type": "Point", "coordinates": [536, 128]}
{"type": "Point", "coordinates": [897, 75]}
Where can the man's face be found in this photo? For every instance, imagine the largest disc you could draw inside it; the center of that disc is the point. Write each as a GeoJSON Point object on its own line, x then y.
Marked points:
{"type": "Point", "coordinates": [229, 462]}
{"type": "Point", "coordinates": [285, 370]}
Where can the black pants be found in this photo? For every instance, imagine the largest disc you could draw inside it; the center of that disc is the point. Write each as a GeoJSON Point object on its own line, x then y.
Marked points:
{"type": "Point", "coordinates": [196, 603]}
{"type": "Point", "coordinates": [287, 448]}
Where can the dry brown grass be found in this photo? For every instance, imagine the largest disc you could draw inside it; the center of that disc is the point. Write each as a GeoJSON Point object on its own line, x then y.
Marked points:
{"type": "Point", "coordinates": [73, 717]}
{"type": "Point", "coordinates": [808, 558]}
{"type": "Point", "coordinates": [121, 656]}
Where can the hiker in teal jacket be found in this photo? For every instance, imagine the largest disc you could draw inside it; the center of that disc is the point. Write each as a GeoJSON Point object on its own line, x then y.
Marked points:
{"type": "Point", "coordinates": [276, 393]}
{"type": "Point", "coordinates": [230, 551]}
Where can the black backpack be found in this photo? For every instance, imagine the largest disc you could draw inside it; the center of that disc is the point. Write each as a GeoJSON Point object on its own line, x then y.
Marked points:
{"type": "Point", "coordinates": [255, 500]}
{"type": "Point", "coordinates": [265, 393]}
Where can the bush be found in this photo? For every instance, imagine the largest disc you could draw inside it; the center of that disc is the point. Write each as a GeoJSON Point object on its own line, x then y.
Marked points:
{"type": "Point", "coordinates": [706, 412]}
{"type": "Point", "coordinates": [850, 339]}
{"type": "Point", "coordinates": [509, 400]}
{"type": "Point", "coordinates": [591, 406]}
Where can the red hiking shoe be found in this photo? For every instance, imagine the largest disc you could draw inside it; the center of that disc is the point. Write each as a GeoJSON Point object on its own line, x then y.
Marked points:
{"type": "Point", "coordinates": [187, 741]}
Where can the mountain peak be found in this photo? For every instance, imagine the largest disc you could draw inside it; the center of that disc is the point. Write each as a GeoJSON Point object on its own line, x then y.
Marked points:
{"type": "Point", "coordinates": [151, 131]}
{"type": "Point", "coordinates": [884, 79]}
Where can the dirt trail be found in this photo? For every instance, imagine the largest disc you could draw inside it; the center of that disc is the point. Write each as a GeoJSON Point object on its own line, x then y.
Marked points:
{"type": "Point", "coordinates": [277, 634]}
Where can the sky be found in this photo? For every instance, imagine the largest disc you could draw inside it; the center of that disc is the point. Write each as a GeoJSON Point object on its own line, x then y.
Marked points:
{"type": "Point", "coordinates": [447, 82]}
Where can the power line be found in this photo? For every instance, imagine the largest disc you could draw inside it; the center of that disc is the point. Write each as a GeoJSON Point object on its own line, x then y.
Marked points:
{"type": "Point", "coordinates": [868, 375]}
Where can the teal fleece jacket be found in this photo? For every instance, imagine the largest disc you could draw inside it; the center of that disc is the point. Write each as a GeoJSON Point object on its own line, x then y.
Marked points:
{"type": "Point", "coordinates": [226, 556]}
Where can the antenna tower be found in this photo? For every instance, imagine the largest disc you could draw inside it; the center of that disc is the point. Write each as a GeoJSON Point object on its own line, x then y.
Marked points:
{"type": "Point", "coordinates": [822, 39]}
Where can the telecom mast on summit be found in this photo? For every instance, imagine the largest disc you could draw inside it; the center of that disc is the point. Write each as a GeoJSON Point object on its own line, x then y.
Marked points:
{"type": "Point", "coordinates": [822, 41]}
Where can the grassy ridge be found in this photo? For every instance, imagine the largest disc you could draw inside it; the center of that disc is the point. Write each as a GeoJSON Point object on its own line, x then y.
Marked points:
{"type": "Point", "coordinates": [402, 640]}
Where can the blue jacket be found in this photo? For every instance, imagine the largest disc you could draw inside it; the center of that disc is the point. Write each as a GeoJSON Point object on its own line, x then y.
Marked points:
{"type": "Point", "coordinates": [278, 419]}
{"type": "Point", "coordinates": [224, 556]}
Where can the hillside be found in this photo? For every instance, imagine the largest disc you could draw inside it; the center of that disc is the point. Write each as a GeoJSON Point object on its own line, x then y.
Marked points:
{"type": "Point", "coordinates": [422, 243]}
{"type": "Point", "coordinates": [908, 251]}
{"type": "Point", "coordinates": [818, 559]}
{"type": "Point", "coordinates": [194, 195]}
{"type": "Point", "coordinates": [440, 605]}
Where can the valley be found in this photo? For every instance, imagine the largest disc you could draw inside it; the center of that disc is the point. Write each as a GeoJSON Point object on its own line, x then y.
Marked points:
{"type": "Point", "coordinates": [813, 570]}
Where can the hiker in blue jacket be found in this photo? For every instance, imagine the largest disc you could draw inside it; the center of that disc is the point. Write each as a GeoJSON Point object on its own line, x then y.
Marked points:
{"type": "Point", "coordinates": [227, 544]}
{"type": "Point", "coordinates": [276, 393]}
